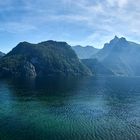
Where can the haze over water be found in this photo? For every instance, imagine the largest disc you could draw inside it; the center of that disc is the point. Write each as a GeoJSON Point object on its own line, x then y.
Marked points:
{"type": "Point", "coordinates": [99, 108]}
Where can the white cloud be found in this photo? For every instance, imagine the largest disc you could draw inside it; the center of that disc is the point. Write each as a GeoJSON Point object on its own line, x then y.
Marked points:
{"type": "Point", "coordinates": [104, 18]}
{"type": "Point", "coordinates": [109, 18]}
{"type": "Point", "coordinates": [119, 3]}
{"type": "Point", "coordinates": [122, 3]}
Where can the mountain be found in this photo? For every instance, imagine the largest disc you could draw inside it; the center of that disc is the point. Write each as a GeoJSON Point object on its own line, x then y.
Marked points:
{"type": "Point", "coordinates": [1, 54]}
{"type": "Point", "coordinates": [96, 67]}
{"type": "Point", "coordinates": [85, 52]}
{"type": "Point", "coordinates": [121, 57]}
{"type": "Point", "coordinates": [49, 58]}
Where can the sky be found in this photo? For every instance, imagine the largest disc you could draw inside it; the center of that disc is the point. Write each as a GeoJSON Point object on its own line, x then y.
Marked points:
{"type": "Point", "coordinates": [78, 22]}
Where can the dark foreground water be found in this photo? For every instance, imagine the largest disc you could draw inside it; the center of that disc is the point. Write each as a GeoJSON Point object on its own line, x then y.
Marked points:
{"type": "Point", "coordinates": [83, 109]}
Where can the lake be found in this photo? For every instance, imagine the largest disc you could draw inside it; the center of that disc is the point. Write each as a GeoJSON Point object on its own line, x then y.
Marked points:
{"type": "Point", "coordinates": [96, 108]}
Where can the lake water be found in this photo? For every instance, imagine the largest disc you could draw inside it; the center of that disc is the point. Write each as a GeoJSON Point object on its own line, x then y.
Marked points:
{"type": "Point", "coordinates": [97, 108]}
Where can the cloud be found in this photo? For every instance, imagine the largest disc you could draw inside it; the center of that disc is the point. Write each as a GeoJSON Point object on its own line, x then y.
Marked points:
{"type": "Point", "coordinates": [15, 27]}
{"type": "Point", "coordinates": [119, 3]}
{"type": "Point", "coordinates": [100, 19]}
{"type": "Point", "coordinates": [120, 17]}
{"type": "Point", "coordinates": [122, 3]}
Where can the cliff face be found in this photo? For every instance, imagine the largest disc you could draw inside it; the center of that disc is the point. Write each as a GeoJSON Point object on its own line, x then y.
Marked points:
{"type": "Point", "coordinates": [1, 54]}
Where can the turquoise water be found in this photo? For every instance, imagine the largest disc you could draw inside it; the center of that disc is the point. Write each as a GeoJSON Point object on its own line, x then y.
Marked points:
{"type": "Point", "coordinates": [97, 108]}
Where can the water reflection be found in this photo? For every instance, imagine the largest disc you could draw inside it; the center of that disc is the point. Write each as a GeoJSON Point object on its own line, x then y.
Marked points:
{"type": "Point", "coordinates": [85, 108]}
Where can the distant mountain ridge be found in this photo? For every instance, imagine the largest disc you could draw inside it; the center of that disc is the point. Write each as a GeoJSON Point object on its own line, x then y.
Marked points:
{"type": "Point", "coordinates": [122, 57]}
{"type": "Point", "coordinates": [97, 68]}
{"type": "Point", "coordinates": [49, 58]}
{"type": "Point", "coordinates": [85, 52]}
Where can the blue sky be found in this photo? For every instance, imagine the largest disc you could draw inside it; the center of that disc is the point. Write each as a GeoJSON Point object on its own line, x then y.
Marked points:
{"type": "Point", "coordinates": [84, 22]}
